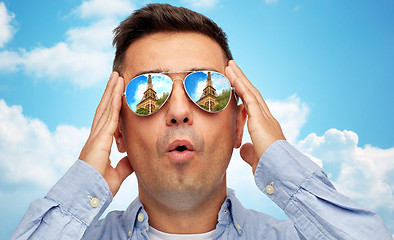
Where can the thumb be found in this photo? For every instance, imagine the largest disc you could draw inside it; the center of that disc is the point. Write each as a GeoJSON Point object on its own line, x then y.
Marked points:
{"type": "Point", "coordinates": [248, 154]}
{"type": "Point", "coordinates": [124, 168]}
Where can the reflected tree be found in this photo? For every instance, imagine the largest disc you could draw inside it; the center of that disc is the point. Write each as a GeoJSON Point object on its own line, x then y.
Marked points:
{"type": "Point", "coordinates": [142, 111]}
{"type": "Point", "coordinates": [222, 100]}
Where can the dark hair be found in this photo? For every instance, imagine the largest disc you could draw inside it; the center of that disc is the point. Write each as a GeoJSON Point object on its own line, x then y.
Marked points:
{"type": "Point", "coordinates": [156, 18]}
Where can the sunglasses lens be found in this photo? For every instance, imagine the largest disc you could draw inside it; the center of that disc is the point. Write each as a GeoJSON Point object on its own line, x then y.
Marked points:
{"type": "Point", "coordinates": [209, 90]}
{"type": "Point", "coordinates": [146, 93]}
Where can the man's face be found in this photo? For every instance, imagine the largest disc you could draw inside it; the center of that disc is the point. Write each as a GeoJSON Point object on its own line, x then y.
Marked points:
{"type": "Point", "coordinates": [166, 173]}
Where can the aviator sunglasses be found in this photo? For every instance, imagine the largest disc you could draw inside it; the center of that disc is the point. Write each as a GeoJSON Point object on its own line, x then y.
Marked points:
{"type": "Point", "coordinates": [209, 90]}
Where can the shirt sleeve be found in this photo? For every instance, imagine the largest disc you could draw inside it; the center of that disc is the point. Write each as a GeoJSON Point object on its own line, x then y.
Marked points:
{"type": "Point", "coordinates": [72, 204]}
{"type": "Point", "coordinates": [301, 188]}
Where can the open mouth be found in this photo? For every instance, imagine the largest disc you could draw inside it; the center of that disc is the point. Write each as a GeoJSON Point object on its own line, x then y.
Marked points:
{"type": "Point", "coordinates": [180, 148]}
{"type": "Point", "coordinates": [180, 151]}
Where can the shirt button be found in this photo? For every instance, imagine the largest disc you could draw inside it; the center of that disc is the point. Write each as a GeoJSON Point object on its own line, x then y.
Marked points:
{"type": "Point", "coordinates": [140, 217]}
{"type": "Point", "coordinates": [94, 202]}
{"type": "Point", "coordinates": [130, 233]}
{"type": "Point", "coordinates": [270, 188]}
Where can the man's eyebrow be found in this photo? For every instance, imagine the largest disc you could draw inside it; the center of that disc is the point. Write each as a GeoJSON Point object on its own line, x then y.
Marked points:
{"type": "Point", "coordinates": [203, 69]}
{"type": "Point", "coordinates": [165, 71]}
{"type": "Point", "coordinates": [157, 70]}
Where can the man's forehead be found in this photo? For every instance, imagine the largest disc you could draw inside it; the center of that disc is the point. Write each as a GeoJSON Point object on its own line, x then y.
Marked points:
{"type": "Point", "coordinates": [173, 52]}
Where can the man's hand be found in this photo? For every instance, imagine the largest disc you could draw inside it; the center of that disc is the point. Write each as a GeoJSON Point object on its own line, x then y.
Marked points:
{"type": "Point", "coordinates": [263, 128]}
{"type": "Point", "coordinates": [98, 146]}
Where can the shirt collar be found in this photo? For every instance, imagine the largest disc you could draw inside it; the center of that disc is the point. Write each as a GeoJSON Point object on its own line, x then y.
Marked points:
{"type": "Point", "coordinates": [132, 216]}
{"type": "Point", "coordinates": [238, 212]}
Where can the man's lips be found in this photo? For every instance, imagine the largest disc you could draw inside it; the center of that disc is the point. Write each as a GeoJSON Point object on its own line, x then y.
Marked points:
{"type": "Point", "coordinates": [180, 145]}
{"type": "Point", "coordinates": [180, 151]}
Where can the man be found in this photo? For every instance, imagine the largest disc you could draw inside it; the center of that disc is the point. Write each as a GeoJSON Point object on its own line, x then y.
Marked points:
{"type": "Point", "coordinates": [179, 148]}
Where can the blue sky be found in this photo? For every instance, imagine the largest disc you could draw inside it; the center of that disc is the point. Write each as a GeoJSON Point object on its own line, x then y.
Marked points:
{"type": "Point", "coordinates": [324, 67]}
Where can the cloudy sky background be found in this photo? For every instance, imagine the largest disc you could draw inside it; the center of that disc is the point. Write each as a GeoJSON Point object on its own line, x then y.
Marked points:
{"type": "Point", "coordinates": [324, 67]}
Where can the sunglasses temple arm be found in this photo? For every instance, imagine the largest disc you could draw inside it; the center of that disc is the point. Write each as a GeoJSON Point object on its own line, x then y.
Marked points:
{"type": "Point", "coordinates": [235, 94]}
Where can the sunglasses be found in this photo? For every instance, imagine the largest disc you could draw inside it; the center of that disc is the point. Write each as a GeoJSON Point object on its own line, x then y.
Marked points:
{"type": "Point", "coordinates": [209, 90]}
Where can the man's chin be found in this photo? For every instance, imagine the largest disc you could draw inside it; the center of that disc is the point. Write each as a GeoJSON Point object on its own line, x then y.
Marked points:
{"type": "Point", "coordinates": [182, 194]}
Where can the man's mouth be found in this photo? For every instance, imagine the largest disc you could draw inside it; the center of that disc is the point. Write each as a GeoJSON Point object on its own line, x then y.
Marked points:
{"type": "Point", "coordinates": [180, 151]}
{"type": "Point", "coordinates": [180, 146]}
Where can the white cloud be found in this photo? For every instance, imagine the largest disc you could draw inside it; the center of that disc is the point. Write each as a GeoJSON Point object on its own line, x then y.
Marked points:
{"type": "Point", "coordinates": [7, 28]}
{"type": "Point", "coordinates": [354, 170]}
{"type": "Point", "coordinates": [104, 8]}
{"type": "Point", "coordinates": [30, 153]}
{"type": "Point", "coordinates": [365, 174]}
{"type": "Point", "coordinates": [202, 3]}
{"type": "Point", "coordinates": [9, 61]}
{"type": "Point", "coordinates": [84, 57]}
{"type": "Point", "coordinates": [291, 113]}
{"type": "Point", "coordinates": [66, 62]}
{"type": "Point", "coordinates": [97, 36]}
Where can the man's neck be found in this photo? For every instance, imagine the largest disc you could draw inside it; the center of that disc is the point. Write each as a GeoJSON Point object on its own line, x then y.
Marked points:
{"type": "Point", "coordinates": [200, 218]}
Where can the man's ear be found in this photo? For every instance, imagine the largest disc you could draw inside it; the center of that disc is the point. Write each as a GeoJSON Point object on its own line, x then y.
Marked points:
{"type": "Point", "coordinates": [119, 137]}
{"type": "Point", "coordinates": [239, 125]}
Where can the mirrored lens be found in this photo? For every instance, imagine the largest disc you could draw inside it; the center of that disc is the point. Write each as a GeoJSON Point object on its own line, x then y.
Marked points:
{"type": "Point", "coordinates": [211, 91]}
{"type": "Point", "coordinates": [146, 93]}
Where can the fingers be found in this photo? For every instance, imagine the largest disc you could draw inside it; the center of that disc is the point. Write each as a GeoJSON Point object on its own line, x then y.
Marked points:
{"type": "Point", "coordinates": [262, 126]}
{"type": "Point", "coordinates": [97, 149]}
{"type": "Point", "coordinates": [111, 122]}
{"type": "Point", "coordinates": [110, 115]}
{"type": "Point", "coordinates": [234, 67]}
{"type": "Point", "coordinates": [116, 176]}
{"type": "Point", "coordinates": [105, 99]}
{"type": "Point", "coordinates": [249, 99]}
{"type": "Point", "coordinates": [239, 78]}
{"type": "Point", "coordinates": [124, 168]}
{"type": "Point", "coordinates": [248, 154]}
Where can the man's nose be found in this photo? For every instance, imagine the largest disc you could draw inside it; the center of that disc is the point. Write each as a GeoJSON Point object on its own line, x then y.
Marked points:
{"type": "Point", "coordinates": [179, 109]}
